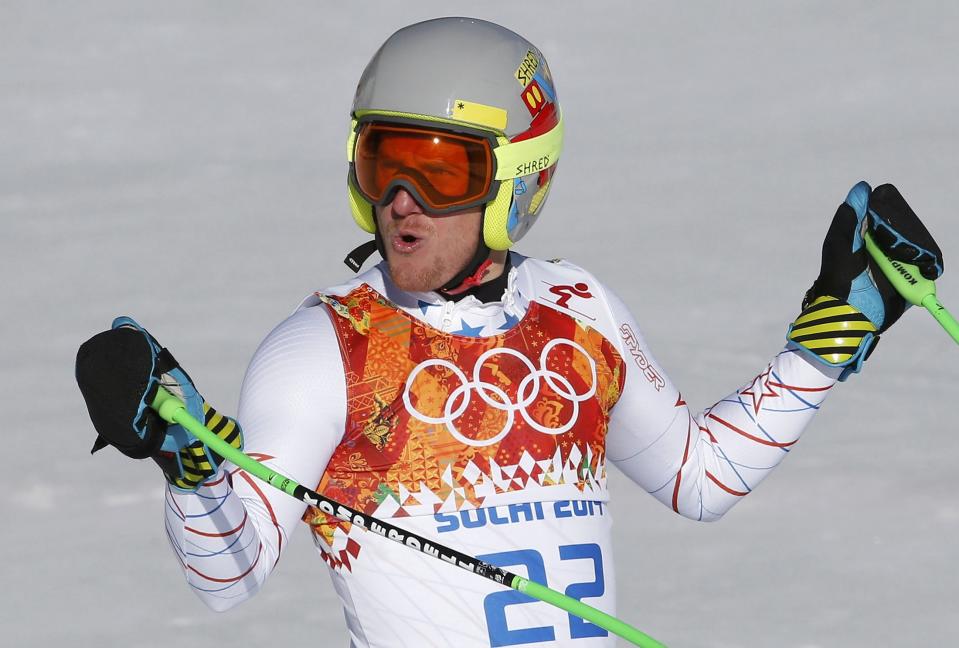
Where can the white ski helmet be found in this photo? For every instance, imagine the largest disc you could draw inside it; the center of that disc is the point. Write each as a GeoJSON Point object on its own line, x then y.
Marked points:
{"type": "Point", "coordinates": [472, 79]}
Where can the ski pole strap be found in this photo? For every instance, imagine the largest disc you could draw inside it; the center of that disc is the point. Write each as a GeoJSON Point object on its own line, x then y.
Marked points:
{"type": "Point", "coordinates": [172, 410]}
{"type": "Point", "coordinates": [914, 288]}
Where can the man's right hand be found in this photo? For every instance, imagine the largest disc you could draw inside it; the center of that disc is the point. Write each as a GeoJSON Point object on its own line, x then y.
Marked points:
{"type": "Point", "coordinates": [119, 372]}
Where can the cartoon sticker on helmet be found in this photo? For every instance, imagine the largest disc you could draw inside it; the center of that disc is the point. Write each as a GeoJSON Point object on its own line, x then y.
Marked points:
{"type": "Point", "coordinates": [477, 113]}
{"type": "Point", "coordinates": [538, 198]}
{"type": "Point", "coordinates": [526, 69]}
{"type": "Point", "coordinates": [534, 98]}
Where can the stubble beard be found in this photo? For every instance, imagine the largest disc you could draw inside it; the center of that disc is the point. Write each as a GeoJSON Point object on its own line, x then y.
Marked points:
{"type": "Point", "coordinates": [419, 277]}
{"type": "Point", "coordinates": [416, 279]}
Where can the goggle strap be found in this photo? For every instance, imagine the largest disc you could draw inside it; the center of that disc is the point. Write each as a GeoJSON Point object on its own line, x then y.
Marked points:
{"type": "Point", "coordinates": [518, 159]}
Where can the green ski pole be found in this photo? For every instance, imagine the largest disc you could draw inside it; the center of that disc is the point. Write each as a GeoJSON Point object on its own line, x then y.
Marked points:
{"type": "Point", "coordinates": [172, 410]}
{"type": "Point", "coordinates": [914, 288]}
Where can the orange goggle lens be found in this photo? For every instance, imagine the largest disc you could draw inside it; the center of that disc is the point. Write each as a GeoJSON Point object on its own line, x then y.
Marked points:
{"type": "Point", "coordinates": [445, 170]}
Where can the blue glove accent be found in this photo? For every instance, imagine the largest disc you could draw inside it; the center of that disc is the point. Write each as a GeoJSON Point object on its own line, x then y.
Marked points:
{"type": "Point", "coordinates": [854, 365]}
{"type": "Point", "coordinates": [863, 293]}
{"type": "Point", "coordinates": [177, 381]}
{"type": "Point", "coordinates": [858, 199]}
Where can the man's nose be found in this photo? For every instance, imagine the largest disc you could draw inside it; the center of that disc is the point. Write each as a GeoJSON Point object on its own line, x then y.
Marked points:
{"type": "Point", "coordinates": [404, 204]}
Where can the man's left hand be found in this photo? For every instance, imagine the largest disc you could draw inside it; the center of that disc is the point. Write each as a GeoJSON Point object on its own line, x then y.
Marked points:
{"type": "Point", "coordinates": [852, 302]}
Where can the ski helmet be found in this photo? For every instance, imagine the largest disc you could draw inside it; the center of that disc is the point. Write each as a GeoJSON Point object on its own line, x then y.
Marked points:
{"type": "Point", "coordinates": [477, 81]}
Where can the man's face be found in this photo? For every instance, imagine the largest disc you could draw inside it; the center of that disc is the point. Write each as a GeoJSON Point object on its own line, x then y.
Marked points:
{"type": "Point", "coordinates": [425, 252]}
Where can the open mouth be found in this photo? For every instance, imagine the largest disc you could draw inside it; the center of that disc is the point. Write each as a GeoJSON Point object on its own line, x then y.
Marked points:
{"type": "Point", "coordinates": [406, 243]}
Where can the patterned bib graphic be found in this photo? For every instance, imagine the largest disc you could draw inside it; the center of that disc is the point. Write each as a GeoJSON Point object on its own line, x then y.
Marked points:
{"type": "Point", "coordinates": [438, 422]}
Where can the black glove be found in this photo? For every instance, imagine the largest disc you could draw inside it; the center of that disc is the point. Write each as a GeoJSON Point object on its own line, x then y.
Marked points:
{"type": "Point", "coordinates": [119, 373]}
{"type": "Point", "coordinates": [900, 234]}
{"type": "Point", "coordinates": [851, 302]}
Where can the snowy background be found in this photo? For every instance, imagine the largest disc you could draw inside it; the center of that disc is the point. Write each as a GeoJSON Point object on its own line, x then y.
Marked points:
{"type": "Point", "coordinates": [182, 162]}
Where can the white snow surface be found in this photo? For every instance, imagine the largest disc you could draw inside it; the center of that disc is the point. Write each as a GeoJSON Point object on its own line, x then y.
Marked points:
{"type": "Point", "coordinates": [183, 163]}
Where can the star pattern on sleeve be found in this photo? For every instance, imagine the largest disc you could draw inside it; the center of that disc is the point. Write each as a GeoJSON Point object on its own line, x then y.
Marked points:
{"type": "Point", "coordinates": [759, 389]}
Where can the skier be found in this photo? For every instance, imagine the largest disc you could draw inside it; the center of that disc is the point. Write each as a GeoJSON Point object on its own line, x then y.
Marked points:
{"type": "Point", "coordinates": [471, 394]}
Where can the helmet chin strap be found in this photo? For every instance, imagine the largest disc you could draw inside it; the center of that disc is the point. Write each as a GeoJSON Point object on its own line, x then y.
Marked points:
{"type": "Point", "coordinates": [471, 275]}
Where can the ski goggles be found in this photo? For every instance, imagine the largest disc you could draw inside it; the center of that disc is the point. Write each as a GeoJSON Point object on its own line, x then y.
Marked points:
{"type": "Point", "coordinates": [445, 170]}
{"type": "Point", "coordinates": [445, 167]}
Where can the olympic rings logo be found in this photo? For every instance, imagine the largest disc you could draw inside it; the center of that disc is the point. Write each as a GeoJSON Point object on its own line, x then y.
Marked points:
{"type": "Point", "coordinates": [494, 396]}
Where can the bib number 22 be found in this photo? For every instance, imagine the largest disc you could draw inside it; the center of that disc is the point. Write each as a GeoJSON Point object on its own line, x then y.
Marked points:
{"type": "Point", "coordinates": [495, 604]}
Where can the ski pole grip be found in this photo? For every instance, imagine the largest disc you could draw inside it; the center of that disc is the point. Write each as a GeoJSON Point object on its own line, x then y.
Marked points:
{"type": "Point", "coordinates": [167, 405]}
{"type": "Point", "coordinates": [904, 277]}
{"type": "Point", "coordinates": [914, 288]}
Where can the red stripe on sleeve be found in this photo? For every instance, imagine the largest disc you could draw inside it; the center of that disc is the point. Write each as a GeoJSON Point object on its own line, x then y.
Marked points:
{"type": "Point", "coordinates": [679, 473]}
{"type": "Point", "coordinates": [724, 486]}
{"type": "Point", "coordinates": [707, 431]}
{"type": "Point", "coordinates": [228, 580]}
{"type": "Point", "coordinates": [766, 442]}
{"type": "Point", "coordinates": [172, 500]}
{"type": "Point", "coordinates": [279, 535]}
{"type": "Point", "coordinates": [219, 535]}
{"type": "Point", "coordinates": [802, 389]}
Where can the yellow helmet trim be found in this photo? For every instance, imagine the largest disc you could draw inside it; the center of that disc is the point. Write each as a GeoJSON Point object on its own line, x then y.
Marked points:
{"type": "Point", "coordinates": [362, 210]}
{"type": "Point", "coordinates": [495, 218]}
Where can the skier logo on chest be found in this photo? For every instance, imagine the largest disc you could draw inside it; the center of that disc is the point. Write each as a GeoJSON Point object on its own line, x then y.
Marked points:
{"type": "Point", "coordinates": [559, 296]}
{"type": "Point", "coordinates": [565, 293]}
